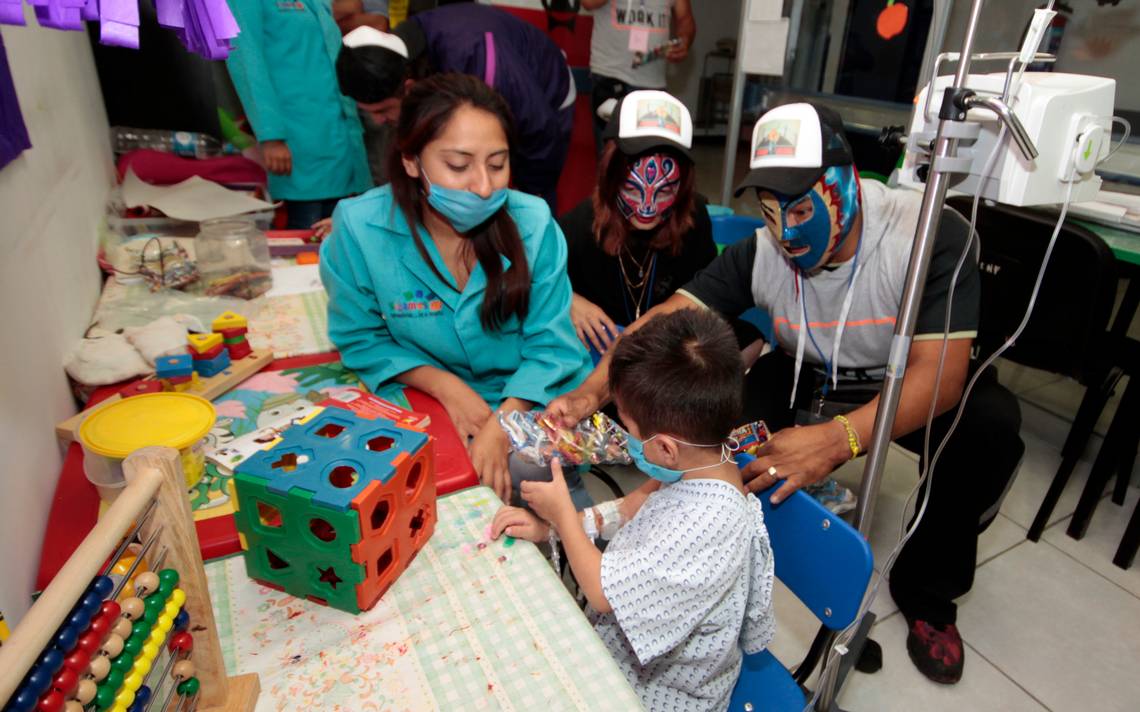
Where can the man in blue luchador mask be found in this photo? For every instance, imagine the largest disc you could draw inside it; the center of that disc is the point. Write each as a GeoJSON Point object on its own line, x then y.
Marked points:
{"type": "Point", "coordinates": [829, 266]}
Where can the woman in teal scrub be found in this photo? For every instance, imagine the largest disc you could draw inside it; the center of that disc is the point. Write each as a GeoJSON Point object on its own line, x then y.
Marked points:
{"type": "Point", "coordinates": [283, 67]}
{"type": "Point", "coordinates": [472, 305]}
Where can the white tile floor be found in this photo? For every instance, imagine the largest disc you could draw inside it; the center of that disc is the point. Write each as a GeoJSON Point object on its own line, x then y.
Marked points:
{"type": "Point", "coordinates": [1052, 625]}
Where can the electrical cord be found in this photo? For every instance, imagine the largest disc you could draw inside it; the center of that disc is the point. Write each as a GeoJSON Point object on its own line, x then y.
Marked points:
{"type": "Point", "coordinates": [1127, 132]}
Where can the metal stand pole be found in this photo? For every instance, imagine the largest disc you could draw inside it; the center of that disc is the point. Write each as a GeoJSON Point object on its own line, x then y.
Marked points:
{"type": "Point", "coordinates": [931, 212]}
{"type": "Point", "coordinates": [732, 140]}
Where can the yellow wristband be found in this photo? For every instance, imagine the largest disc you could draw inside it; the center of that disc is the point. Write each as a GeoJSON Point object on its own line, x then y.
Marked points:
{"type": "Point", "coordinates": [852, 436]}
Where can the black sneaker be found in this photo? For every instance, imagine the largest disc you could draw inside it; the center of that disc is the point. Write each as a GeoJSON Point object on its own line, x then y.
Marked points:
{"type": "Point", "coordinates": [936, 650]}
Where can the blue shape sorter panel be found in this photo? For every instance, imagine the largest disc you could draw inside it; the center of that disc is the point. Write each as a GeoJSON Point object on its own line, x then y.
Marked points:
{"type": "Point", "coordinates": [334, 456]}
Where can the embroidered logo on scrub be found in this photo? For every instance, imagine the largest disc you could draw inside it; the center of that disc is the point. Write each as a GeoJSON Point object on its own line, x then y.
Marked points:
{"type": "Point", "coordinates": [417, 303]}
{"type": "Point", "coordinates": [651, 188]}
{"type": "Point", "coordinates": [289, 5]}
{"type": "Point", "coordinates": [777, 138]}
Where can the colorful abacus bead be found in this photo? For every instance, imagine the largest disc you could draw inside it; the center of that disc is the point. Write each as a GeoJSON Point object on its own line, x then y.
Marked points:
{"type": "Point", "coordinates": [66, 680]}
{"type": "Point", "coordinates": [105, 697]}
{"type": "Point", "coordinates": [146, 583]}
{"type": "Point", "coordinates": [77, 661]}
{"type": "Point", "coordinates": [168, 580]}
{"type": "Point", "coordinates": [51, 661]}
{"type": "Point", "coordinates": [189, 688]}
{"type": "Point", "coordinates": [51, 702]}
{"type": "Point", "coordinates": [182, 620]}
{"type": "Point", "coordinates": [85, 691]}
{"type": "Point", "coordinates": [181, 642]}
{"type": "Point", "coordinates": [102, 585]}
{"type": "Point", "coordinates": [133, 608]}
{"type": "Point", "coordinates": [99, 668]}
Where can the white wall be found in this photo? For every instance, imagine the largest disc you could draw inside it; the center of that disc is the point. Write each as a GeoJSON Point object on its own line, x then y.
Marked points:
{"type": "Point", "coordinates": [1103, 41]}
{"type": "Point", "coordinates": [50, 200]}
{"type": "Point", "coordinates": [716, 19]}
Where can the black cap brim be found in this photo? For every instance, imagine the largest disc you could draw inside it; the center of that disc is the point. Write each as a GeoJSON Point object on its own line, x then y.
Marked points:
{"type": "Point", "coordinates": [642, 144]}
{"type": "Point", "coordinates": [785, 181]}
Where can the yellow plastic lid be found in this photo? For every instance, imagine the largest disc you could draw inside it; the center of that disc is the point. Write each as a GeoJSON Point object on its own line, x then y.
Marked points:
{"type": "Point", "coordinates": [175, 420]}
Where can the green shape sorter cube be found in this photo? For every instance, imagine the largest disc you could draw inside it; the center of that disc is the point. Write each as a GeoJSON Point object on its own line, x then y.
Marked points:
{"type": "Point", "coordinates": [297, 545]}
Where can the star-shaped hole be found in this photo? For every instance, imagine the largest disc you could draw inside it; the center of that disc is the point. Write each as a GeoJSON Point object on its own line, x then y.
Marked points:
{"type": "Point", "coordinates": [329, 576]}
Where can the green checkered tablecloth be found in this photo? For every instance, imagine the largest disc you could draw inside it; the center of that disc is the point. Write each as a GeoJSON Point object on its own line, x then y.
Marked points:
{"type": "Point", "coordinates": [472, 624]}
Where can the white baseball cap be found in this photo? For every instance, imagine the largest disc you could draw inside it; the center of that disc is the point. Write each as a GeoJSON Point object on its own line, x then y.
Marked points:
{"type": "Point", "coordinates": [647, 119]}
{"type": "Point", "coordinates": [792, 146]}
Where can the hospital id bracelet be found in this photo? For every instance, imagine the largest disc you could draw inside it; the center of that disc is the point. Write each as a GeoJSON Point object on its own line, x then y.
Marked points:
{"type": "Point", "coordinates": [590, 523]}
{"type": "Point", "coordinates": [852, 436]}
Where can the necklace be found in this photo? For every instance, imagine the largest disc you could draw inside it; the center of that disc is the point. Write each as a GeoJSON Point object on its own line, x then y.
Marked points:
{"type": "Point", "coordinates": [630, 288]}
{"type": "Point", "coordinates": [642, 267]}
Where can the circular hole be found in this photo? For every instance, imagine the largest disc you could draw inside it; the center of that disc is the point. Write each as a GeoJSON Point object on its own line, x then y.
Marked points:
{"type": "Point", "coordinates": [343, 477]}
{"type": "Point", "coordinates": [322, 529]}
{"type": "Point", "coordinates": [414, 477]}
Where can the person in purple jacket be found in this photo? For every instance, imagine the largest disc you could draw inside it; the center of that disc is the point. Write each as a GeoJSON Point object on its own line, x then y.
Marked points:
{"type": "Point", "coordinates": [517, 59]}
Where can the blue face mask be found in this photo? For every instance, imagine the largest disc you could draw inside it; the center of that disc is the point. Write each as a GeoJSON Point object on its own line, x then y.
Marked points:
{"type": "Point", "coordinates": [462, 208]}
{"type": "Point", "coordinates": [664, 474]}
{"type": "Point", "coordinates": [811, 242]}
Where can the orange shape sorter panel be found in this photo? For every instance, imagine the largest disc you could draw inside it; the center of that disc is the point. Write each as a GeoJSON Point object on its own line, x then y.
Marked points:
{"type": "Point", "coordinates": [396, 519]}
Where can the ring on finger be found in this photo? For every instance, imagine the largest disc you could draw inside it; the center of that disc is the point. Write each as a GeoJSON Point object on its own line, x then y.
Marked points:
{"type": "Point", "coordinates": [772, 473]}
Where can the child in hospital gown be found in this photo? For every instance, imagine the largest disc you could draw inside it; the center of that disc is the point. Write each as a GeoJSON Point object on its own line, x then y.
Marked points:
{"type": "Point", "coordinates": [684, 587]}
{"type": "Point", "coordinates": [687, 578]}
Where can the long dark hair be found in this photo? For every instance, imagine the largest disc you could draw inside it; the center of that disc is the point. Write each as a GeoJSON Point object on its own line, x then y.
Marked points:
{"type": "Point", "coordinates": [612, 230]}
{"type": "Point", "coordinates": [424, 113]}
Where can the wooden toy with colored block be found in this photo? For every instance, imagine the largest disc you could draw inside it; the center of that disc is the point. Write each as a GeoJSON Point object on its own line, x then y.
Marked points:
{"type": "Point", "coordinates": [202, 345]}
{"type": "Point", "coordinates": [231, 328]}
{"type": "Point", "coordinates": [213, 366]}
{"type": "Point", "coordinates": [228, 320]}
{"type": "Point", "coordinates": [178, 366]}
{"type": "Point", "coordinates": [337, 509]}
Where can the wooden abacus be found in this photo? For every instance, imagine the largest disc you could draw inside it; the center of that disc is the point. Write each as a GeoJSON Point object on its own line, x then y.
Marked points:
{"type": "Point", "coordinates": [53, 649]}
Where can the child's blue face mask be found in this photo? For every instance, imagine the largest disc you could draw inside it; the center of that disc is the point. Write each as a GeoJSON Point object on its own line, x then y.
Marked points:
{"type": "Point", "coordinates": [462, 208]}
{"type": "Point", "coordinates": [660, 472]}
{"type": "Point", "coordinates": [833, 202]}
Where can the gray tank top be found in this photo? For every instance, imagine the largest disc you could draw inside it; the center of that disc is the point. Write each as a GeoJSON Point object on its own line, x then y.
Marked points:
{"type": "Point", "coordinates": [610, 53]}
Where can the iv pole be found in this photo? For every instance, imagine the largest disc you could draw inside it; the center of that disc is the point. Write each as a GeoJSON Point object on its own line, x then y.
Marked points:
{"type": "Point", "coordinates": [956, 102]}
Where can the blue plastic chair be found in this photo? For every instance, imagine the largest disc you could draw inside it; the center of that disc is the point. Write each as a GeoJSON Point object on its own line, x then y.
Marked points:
{"type": "Point", "coordinates": [596, 355]}
{"type": "Point", "coordinates": [827, 564]}
{"type": "Point", "coordinates": [726, 230]}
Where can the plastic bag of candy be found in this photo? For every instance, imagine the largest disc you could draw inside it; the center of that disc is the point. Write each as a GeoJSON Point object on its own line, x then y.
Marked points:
{"type": "Point", "coordinates": [751, 437]}
{"type": "Point", "coordinates": [597, 440]}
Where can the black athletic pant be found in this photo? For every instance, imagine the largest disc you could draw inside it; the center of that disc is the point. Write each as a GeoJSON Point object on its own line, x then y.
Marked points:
{"type": "Point", "coordinates": [937, 564]}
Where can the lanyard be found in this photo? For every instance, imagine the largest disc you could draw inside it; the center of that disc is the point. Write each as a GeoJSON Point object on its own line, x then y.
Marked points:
{"type": "Point", "coordinates": [831, 365]}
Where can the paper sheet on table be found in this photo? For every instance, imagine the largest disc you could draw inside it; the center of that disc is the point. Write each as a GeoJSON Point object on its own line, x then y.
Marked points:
{"type": "Point", "coordinates": [193, 199]}
{"type": "Point", "coordinates": [298, 279]}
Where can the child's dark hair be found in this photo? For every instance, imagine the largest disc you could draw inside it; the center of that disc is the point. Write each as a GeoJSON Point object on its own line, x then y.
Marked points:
{"type": "Point", "coordinates": [680, 374]}
{"type": "Point", "coordinates": [370, 74]}
{"type": "Point", "coordinates": [424, 113]}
